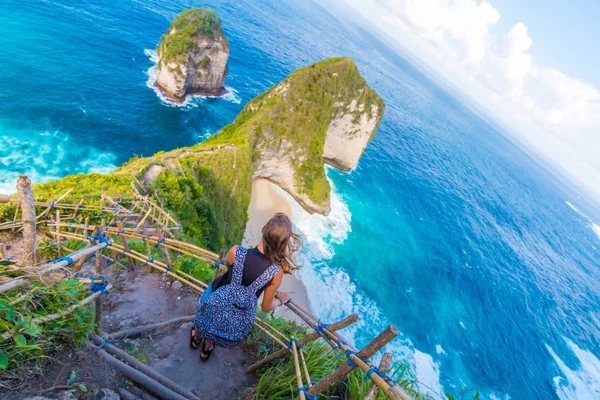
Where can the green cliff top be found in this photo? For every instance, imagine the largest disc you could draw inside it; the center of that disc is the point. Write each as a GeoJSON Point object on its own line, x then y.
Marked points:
{"type": "Point", "coordinates": [180, 37]}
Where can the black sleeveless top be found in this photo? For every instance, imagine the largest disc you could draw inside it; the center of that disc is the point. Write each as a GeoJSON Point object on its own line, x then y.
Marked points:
{"type": "Point", "coordinates": [254, 265]}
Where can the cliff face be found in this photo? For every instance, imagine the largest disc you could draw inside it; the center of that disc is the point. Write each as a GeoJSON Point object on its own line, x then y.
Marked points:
{"type": "Point", "coordinates": [192, 55]}
{"type": "Point", "coordinates": [321, 113]}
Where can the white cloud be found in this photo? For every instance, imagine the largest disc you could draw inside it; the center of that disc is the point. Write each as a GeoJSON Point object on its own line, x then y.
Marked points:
{"type": "Point", "coordinates": [555, 112]}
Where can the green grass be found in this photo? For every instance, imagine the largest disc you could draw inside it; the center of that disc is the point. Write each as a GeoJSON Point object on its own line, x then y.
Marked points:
{"type": "Point", "coordinates": [181, 34]}
{"type": "Point", "coordinates": [25, 350]}
{"type": "Point", "coordinates": [278, 379]}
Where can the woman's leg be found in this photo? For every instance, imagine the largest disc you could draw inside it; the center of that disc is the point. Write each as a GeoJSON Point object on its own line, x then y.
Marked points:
{"type": "Point", "coordinates": [207, 348]}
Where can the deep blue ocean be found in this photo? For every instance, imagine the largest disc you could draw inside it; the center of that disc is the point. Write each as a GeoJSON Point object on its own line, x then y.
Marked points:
{"type": "Point", "coordinates": [485, 261]}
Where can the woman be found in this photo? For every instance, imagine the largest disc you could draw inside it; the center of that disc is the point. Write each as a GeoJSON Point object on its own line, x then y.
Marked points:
{"type": "Point", "coordinates": [227, 308]}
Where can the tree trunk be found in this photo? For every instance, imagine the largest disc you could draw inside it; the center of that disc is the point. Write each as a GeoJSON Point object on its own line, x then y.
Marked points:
{"type": "Point", "coordinates": [28, 212]}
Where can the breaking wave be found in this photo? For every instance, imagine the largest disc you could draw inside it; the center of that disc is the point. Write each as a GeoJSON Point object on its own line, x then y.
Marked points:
{"type": "Point", "coordinates": [191, 101]}
{"type": "Point", "coordinates": [47, 156]}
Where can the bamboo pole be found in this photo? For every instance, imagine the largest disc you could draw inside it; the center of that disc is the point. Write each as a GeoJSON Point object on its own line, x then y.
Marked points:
{"type": "Point", "coordinates": [125, 244]}
{"type": "Point", "coordinates": [269, 334]}
{"type": "Point", "coordinates": [311, 337]}
{"type": "Point", "coordinates": [120, 354]}
{"type": "Point", "coordinates": [384, 366]}
{"type": "Point", "coordinates": [146, 238]}
{"type": "Point", "coordinates": [55, 316]}
{"type": "Point", "coordinates": [143, 219]}
{"type": "Point", "coordinates": [206, 256]}
{"type": "Point", "coordinates": [165, 251]}
{"type": "Point", "coordinates": [152, 386]}
{"type": "Point", "coordinates": [218, 270]}
{"type": "Point", "coordinates": [368, 351]}
{"type": "Point", "coordinates": [298, 373]}
{"type": "Point", "coordinates": [14, 220]}
{"type": "Point", "coordinates": [98, 304]}
{"type": "Point", "coordinates": [57, 227]}
{"type": "Point", "coordinates": [29, 218]}
{"type": "Point", "coordinates": [306, 374]}
{"type": "Point", "coordinates": [140, 330]}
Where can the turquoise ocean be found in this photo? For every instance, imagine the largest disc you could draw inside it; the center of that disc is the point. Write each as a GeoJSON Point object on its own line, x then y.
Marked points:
{"type": "Point", "coordinates": [482, 255]}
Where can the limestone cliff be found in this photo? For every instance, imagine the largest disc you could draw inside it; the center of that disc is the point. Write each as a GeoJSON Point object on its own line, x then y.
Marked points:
{"type": "Point", "coordinates": [192, 55]}
{"type": "Point", "coordinates": [325, 112]}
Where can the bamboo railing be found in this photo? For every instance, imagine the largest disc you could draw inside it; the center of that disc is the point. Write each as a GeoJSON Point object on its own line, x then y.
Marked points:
{"type": "Point", "coordinates": [154, 227]}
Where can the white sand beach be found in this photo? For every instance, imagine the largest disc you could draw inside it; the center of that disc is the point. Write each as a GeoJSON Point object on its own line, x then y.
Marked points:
{"type": "Point", "coordinates": [264, 203]}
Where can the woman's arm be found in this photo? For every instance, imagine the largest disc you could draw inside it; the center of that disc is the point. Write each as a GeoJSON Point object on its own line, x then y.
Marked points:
{"type": "Point", "coordinates": [230, 257]}
{"type": "Point", "coordinates": [271, 298]}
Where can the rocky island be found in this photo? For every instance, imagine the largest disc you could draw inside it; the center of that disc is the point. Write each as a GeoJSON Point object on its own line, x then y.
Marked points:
{"type": "Point", "coordinates": [193, 55]}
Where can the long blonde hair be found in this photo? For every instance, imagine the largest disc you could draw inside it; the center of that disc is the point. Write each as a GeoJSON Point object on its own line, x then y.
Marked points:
{"type": "Point", "coordinates": [281, 243]}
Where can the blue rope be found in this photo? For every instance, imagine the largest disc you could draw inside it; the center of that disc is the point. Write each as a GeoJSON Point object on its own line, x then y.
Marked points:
{"type": "Point", "coordinates": [320, 327]}
{"type": "Point", "coordinates": [350, 361]}
{"type": "Point", "coordinates": [98, 284]}
{"type": "Point", "coordinates": [14, 222]}
{"type": "Point", "coordinates": [293, 340]}
{"type": "Point", "coordinates": [105, 341]}
{"type": "Point", "coordinates": [305, 389]}
{"type": "Point", "coordinates": [149, 261]}
{"type": "Point", "coordinates": [159, 242]}
{"type": "Point", "coordinates": [69, 260]}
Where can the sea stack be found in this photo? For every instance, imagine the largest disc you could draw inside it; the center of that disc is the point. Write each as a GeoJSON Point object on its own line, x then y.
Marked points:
{"type": "Point", "coordinates": [193, 55]}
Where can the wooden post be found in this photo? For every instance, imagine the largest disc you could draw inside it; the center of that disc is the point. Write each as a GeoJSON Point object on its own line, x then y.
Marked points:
{"type": "Point", "coordinates": [384, 365]}
{"type": "Point", "coordinates": [14, 220]}
{"type": "Point", "coordinates": [343, 370]}
{"type": "Point", "coordinates": [148, 248]}
{"type": "Point", "coordinates": [311, 337]}
{"type": "Point", "coordinates": [57, 229]}
{"type": "Point", "coordinates": [76, 210]}
{"type": "Point", "coordinates": [217, 269]}
{"type": "Point", "coordinates": [98, 304]}
{"type": "Point", "coordinates": [164, 251]}
{"type": "Point", "coordinates": [125, 246]}
{"type": "Point", "coordinates": [28, 212]}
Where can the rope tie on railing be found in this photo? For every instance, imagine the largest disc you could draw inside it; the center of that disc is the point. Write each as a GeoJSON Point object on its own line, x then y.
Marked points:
{"type": "Point", "coordinates": [350, 360]}
{"type": "Point", "coordinates": [158, 243]}
{"type": "Point", "coordinates": [97, 284]}
{"type": "Point", "coordinates": [304, 389]}
{"type": "Point", "coordinates": [14, 222]}
{"type": "Point", "coordinates": [69, 260]}
{"type": "Point", "coordinates": [293, 340]}
{"type": "Point", "coordinates": [105, 341]}
{"type": "Point", "coordinates": [149, 261]}
{"type": "Point", "coordinates": [320, 326]}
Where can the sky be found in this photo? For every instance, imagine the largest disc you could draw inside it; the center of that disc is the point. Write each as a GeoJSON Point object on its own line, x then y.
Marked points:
{"type": "Point", "coordinates": [531, 64]}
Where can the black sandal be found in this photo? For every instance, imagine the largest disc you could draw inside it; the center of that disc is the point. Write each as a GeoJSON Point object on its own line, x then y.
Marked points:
{"type": "Point", "coordinates": [204, 353]}
{"type": "Point", "coordinates": [194, 343]}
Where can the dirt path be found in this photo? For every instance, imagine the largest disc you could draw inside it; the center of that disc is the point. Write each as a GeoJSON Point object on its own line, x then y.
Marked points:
{"type": "Point", "coordinates": [142, 298]}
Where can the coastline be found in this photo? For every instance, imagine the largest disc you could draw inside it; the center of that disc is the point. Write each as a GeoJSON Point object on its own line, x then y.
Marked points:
{"type": "Point", "coordinates": [265, 202]}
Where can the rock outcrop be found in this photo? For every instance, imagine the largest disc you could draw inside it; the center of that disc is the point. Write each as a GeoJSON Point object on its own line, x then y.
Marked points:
{"type": "Point", "coordinates": [323, 113]}
{"type": "Point", "coordinates": [193, 55]}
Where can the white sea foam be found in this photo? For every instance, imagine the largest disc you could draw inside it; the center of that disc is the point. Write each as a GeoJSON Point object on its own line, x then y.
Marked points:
{"type": "Point", "coordinates": [46, 156]}
{"type": "Point", "coordinates": [581, 383]}
{"type": "Point", "coordinates": [191, 101]}
{"type": "Point", "coordinates": [595, 227]}
{"type": "Point", "coordinates": [428, 375]}
{"type": "Point", "coordinates": [439, 349]}
{"type": "Point", "coordinates": [576, 209]}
